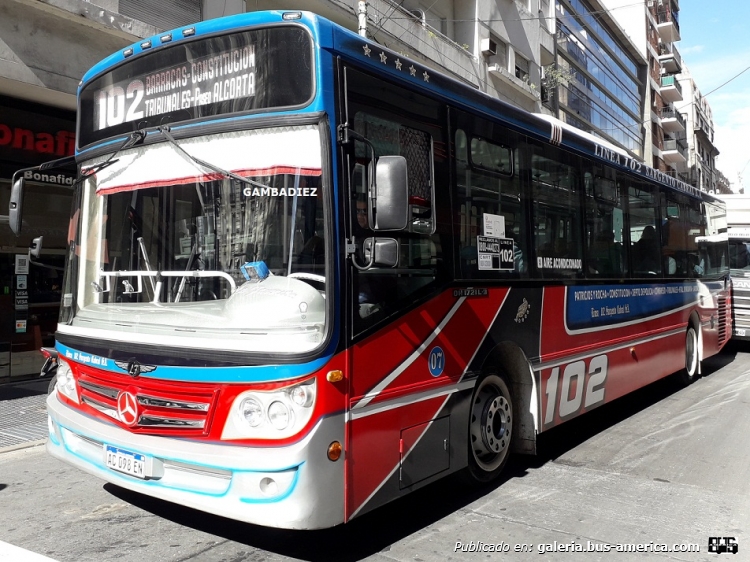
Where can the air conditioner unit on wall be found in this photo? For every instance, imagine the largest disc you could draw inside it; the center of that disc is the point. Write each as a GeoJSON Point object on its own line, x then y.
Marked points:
{"type": "Point", "coordinates": [488, 47]}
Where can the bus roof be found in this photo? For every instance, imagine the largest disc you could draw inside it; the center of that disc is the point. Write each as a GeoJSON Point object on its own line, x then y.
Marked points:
{"type": "Point", "coordinates": [351, 46]}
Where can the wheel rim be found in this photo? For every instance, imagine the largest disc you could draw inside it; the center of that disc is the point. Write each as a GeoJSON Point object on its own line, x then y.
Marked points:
{"type": "Point", "coordinates": [691, 352]}
{"type": "Point", "coordinates": [491, 425]}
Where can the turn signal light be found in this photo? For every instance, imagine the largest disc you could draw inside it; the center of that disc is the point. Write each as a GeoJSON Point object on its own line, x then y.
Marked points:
{"type": "Point", "coordinates": [334, 376]}
{"type": "Point", "coordinates": [334, 451]}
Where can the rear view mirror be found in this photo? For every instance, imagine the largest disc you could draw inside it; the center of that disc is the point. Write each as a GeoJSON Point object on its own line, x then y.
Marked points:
{"type": "Point", "coordinates": [36, 246]}
{"type": "Point", "coordinates": [385, 253]}
{"type": "Point", "coordinates": [392, 208]}
{"type": "Point", "coordinates": [15, 206]}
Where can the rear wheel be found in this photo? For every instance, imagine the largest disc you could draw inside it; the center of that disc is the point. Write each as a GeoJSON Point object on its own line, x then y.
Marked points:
{"type": "Point", "coordinates": [692, 362]}
{"type": "Point", "coordinates": [490, 428]}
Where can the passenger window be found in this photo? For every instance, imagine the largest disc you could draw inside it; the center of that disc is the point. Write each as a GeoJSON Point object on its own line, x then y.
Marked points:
{"type": "Point", "coordinates": [605, 218]}
{"type": "Point", "coordinates": [557, 214]}
{"type": "Point", "coordinates": [492, 232]}
{"type": "Point", "coordinates": [645, 249]}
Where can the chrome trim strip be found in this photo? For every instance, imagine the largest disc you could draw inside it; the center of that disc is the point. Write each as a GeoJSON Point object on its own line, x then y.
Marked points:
{"type": "Point", "coordinates": [146, 400]}
{"type": "Point", "coordinates": [107, 391]}
{"type": "Point", "coordinates": [148, 420]}
{"type": "Point", "coordinates": [105, 409]}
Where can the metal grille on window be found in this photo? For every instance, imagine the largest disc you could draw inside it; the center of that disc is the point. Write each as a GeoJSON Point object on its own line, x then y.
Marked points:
{"type": "Point", "coordinates": [415, 147]}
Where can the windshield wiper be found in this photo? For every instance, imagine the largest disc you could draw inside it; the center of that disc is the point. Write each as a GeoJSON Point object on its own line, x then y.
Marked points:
{"type": "Point", "coordinates": [164, 129]}
{"type": "Point", "coordinates": [133, 138]}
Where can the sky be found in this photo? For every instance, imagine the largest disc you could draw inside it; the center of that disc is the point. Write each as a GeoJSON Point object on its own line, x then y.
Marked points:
{"type": "Point", "coordinates": [715, 46]}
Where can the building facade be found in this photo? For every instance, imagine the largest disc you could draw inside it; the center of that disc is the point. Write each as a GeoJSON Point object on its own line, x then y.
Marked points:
{"type": "Point", "coordinates": [602, 84]}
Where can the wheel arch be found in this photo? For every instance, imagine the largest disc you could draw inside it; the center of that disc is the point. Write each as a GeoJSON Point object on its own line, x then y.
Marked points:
{"type": "Point", "coordinates": [509, 361]}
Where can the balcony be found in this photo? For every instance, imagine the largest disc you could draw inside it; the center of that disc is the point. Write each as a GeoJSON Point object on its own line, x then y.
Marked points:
{"type": "Point", "coordinates": [675, 151]}
{"type": "Point", "coordinates": [669, 58]}
{"type": "Point", "coordinates": [668, 26]}
{"type": "Point", "coordinates": [517, 81]}
{"type": "Point", "coordinates": [672, 121]}
{"type": "Point", "coordinates": [670, 90]}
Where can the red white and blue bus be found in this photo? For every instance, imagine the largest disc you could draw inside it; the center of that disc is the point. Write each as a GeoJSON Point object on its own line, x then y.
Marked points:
{"type": "Point", "coordinates": [307, 275]}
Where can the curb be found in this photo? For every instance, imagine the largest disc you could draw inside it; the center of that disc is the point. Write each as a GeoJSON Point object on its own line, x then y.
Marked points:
{"type": "Point", "coordinates": [26, 445]}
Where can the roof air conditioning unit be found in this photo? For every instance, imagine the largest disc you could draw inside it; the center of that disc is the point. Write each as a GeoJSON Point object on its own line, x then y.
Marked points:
{"type": "Point", "coordinates": [488, 47]}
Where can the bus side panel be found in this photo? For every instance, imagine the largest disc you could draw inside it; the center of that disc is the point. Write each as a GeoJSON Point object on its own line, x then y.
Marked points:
{"type": "Point", "coordinates": [643, 340]}
{"type": "Point", "coordinates": [407, 377]}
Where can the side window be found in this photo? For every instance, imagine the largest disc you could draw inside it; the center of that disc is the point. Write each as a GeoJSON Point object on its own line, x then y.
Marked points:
{"type": "Point", "coordinates": [393, 138]}
{"type": "Point", "coordinates": [605, 224]}
{"type": "Point", "coordinates": [645, 244]}
{"type": "Point", "coordinates": [400, 123]}
{"type": "Point", "coordinates": [681, 223]}
{"type": "Point", "coordinates": [556, 212]}
{"type": "Point", "coordinates": [714, 247]}
{"type": "Point", "coordinates": [491, 225]}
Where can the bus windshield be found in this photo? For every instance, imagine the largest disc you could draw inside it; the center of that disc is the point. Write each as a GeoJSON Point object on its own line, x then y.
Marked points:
{"type": "Point", "coordinates": [168, 252]}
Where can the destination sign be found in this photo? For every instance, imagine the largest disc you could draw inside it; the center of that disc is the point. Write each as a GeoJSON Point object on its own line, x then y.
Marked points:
{"type": "Point", "coordinates": [215, 78]}
{"type": "Point", "coordinates": [251, 70]}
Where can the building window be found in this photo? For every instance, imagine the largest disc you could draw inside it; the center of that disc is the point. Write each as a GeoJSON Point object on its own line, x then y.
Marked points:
{"type": "Point", "coordinates": [521, 68]}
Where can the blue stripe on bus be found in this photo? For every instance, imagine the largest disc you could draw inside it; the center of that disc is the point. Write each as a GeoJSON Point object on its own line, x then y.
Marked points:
{"type": "Point", "coordinates": [605, 305]}
{"type": "Point", "coordinates": [232, 374]}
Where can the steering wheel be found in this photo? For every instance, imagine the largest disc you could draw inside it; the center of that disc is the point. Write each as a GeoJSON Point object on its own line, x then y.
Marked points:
{"type": "Point", "coordinates": [307, 277]}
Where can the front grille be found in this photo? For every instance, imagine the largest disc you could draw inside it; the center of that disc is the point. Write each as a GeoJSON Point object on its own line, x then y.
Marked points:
{"type": "Point", "coordinates": [722, 320]}
{"type": "Point", "coordinates": [162, 407]}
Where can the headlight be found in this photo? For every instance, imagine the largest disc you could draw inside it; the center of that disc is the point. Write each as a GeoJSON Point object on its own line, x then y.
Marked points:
{"type": "Point", "coordinates": [273, 414]}
{"type": "Point", "coordinates": [252, 411]}
{"type": "Point", "coordinates": [66, 383]}
{"type": "Point", "coordinates": [279, 415]}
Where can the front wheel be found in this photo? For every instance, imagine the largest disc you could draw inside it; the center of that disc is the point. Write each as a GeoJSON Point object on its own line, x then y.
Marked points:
{"type": "Point", "coordinates": [692, 361]}
{"type": "Point", "coordinates": [490, 428]}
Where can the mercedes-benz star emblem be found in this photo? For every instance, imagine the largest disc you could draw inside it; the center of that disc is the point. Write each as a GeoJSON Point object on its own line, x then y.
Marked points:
{"type": "Point", "coordinates": [127, 408]}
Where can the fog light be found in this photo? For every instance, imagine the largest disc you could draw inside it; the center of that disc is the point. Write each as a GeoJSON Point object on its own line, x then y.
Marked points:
{"type": "Point", "coordinates": [269, 487]}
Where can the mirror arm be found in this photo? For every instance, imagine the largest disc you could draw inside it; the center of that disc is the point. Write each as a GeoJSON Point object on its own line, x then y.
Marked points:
{"type": "Point", "coordinates": [351, 250]}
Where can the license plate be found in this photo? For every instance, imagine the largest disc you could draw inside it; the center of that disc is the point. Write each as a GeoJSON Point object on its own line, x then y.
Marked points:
{"type": "Point", "coordinates": [739, 332]}
{"type": "Point", "coordinates": [125, 461]}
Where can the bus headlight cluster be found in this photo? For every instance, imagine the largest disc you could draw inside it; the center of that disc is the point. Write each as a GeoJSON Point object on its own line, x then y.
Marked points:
{"type": "Point", "coordinates": [271, 414]}
{"type": "Point", "coordinates": [66, 383]}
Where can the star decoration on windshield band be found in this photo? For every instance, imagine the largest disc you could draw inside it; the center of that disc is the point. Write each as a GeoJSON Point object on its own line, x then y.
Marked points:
{"type": "Point", "coordinates": [398, 64]}
{"type": "Point", "coordinates": [367, 50]}
{"type": "Point", "coordinates": [426, 76]}
{"type": "Point", "coordinates": [383, 58]}
{"type": "Point", "coordinates": [412, 70]}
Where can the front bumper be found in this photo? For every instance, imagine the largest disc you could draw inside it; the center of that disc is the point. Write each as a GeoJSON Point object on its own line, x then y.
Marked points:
{"type": "Point", "coordinates": [293, 486]}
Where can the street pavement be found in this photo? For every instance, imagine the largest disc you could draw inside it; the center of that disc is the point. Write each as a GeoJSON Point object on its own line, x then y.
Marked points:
{"type": "Point", "coordinates": [23, 414]}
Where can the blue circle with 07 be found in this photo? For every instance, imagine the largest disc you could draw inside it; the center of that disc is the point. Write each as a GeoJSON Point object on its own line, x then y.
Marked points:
{"type": "Point", "coordinates": [436, 362]}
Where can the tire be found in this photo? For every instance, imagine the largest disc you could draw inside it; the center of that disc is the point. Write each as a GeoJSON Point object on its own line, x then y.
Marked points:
{"type": "Point", "coordinates": [692, 361]}
{"type": "Point", "coordinates": [490, 429]}
{"type": "Point", "coordinates": [52, 383]}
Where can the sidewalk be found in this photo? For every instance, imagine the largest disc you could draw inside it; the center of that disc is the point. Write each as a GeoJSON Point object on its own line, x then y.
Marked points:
{"type": "Point", "coordinates": [23, 414]}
